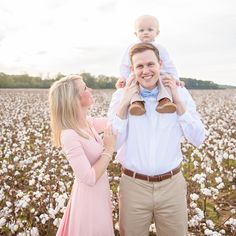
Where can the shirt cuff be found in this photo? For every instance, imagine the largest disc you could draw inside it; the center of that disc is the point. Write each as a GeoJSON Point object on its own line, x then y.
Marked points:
{"type": "Point", "coordinates": [119, 125]}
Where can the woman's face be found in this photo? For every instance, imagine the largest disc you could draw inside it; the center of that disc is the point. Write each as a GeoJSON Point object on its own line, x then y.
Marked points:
{"type": "Point", "coordinates": [85, 97]}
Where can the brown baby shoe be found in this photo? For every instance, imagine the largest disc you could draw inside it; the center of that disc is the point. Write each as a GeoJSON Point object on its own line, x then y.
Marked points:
{"type": "Point", "coordinates": [137, 108]}
{"type": "Point", "coordinates": [166, 106]}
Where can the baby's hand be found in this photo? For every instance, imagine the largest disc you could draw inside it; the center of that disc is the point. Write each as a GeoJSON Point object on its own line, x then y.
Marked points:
{"type": "Point", "coordinates": [179, 83]}
{"type": "Point", "coordinates": [120, 83]}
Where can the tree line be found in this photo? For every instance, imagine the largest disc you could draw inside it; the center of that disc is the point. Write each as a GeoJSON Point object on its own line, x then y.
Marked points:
{"type": "Point", "coordinates": [94, 82]}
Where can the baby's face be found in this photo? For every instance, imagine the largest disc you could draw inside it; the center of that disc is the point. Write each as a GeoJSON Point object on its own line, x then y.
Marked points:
{"type": "Point", "coordinates": [146, 30]}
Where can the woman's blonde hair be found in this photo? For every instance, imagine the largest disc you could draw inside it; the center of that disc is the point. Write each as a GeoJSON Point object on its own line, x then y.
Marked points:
{"type": "Point", "coordinates": [64, 107]}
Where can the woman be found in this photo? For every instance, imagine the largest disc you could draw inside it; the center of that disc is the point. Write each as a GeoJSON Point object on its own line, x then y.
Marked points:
{"type": "Point", "coordinates": [88, 212]}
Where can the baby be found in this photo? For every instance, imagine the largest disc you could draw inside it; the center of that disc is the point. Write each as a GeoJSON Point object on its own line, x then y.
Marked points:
{"type": "Point", "coordinates": [146, 30]}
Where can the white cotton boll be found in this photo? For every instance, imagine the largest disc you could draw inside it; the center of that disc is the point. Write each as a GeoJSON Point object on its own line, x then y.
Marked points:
{"type": "Point", "coordinates": [199, 213]}
{"type": "Point", "coordinates": [206, 192]}
{"type": "Point", "coordinates": [222, 231]}
{"type": "Point", "coordinates": [32, 210]}
{"type": "Point", "coordinates": [194, 196]}
{"type": "Point", "coordinates": [2, 222]}
{"type": "Point", "coordinates": [220, 186]}
{"type": "Point", "coordinates": [233, 211]}
{"type": "Point", "coordinates": [209, 170]}
{"type": "Point", "coordinates": [51, 213]}
{"type": "Point", "coordinates": [34, 231]}
{"type": "Point", "coordinates": [195, 163]}
{"type": "Point", "coordinates": [9, 204]}
{"type": "Point", "coordinates": [231, 221]}
{"type": "Point", "coordinates": [31, 182]}
{"type": "Point", "coordinates": [13, 227]}
{"type": "Point", "coordinates": [225, 156]}
{"type": "Point", "coordinates": [193, 205]}
{"type": "Point", "coordinates": [16, 159]}
{"type": "Point", "coordinates": [210, 224]}
{"type": "Point", "coordinates": [218, 180]}
{"type": "Point", "coordinates": [44, 218]}
{"type": "Point", "coordinates": [117, 226]}
{"type": "Point", "coordinates": [56, 222]}
{"type": "Point", "coordinates": [117, 178]}
{"type": "Point", "coordinates": [152, 228]}
{"type": "Point", "coordinates": [208, 232]}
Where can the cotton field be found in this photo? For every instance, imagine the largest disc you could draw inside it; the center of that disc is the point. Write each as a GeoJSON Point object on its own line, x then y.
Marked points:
{"type": "Point", "coordinates": [36, 180]}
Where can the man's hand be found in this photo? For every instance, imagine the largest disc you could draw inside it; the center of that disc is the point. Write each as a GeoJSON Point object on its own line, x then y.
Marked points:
{"type": "Point", "coordinates": [130, 89]}
{"type": "Point", "coordinates": [168, 81]}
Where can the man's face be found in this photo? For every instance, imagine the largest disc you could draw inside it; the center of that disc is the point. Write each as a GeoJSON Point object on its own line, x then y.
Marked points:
{"type": "Point", "coordinates": [146, 69]}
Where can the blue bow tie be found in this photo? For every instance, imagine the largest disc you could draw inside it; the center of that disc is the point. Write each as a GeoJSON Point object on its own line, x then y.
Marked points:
{"type": "Point", "coordinates": [147, 93]}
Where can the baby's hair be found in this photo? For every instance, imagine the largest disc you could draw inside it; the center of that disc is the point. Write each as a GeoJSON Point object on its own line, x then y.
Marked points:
{"type": "Point", "coordinates": [145, 17]}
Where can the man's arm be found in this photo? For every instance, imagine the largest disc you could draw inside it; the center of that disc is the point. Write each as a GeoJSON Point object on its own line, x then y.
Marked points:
{"type": "Point", "coordinates": [189, 119]}
{"type": "Point", "coordinates": [118, 110]}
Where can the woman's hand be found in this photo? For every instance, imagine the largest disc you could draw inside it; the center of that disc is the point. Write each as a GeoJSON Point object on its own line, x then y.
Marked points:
{"type": "Point", "coordinates": [109, 140]}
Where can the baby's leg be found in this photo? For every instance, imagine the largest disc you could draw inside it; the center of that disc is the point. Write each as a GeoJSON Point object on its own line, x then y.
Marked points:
{"type": "Point", "coordinates": [165, 100]}
{"type": "Point", "coordinates": [164, 92]}
{"type": "Point", "coordinates": [137, 104]}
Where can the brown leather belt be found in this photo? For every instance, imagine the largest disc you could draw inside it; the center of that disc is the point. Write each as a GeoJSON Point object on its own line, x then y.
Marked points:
{"type": "Point", "coordinates": [155, 178]}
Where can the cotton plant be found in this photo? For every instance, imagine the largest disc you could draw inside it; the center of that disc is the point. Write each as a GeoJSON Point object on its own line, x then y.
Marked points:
{"type": "Point", "coordinates": [36, 179]}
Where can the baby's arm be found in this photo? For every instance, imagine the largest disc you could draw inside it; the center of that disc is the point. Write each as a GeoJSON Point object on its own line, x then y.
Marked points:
{"type": "Point", "coordinates": [125, 69]}
{"type": "Point", "coordinates": [120, 83]}
{"type": "Point", "coordinates": [168, 66]}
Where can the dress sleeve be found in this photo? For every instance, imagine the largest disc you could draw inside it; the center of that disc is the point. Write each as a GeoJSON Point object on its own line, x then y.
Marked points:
{"type": "Point", "coordinates": [74, 153]}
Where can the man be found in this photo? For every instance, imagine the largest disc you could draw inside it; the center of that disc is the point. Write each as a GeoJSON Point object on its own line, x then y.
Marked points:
{"type": "Point", "coordinates": [152, 185]}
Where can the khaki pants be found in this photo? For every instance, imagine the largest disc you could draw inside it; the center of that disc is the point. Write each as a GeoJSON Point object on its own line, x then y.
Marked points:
{"type": "Point", "coordinates": [165, 202]}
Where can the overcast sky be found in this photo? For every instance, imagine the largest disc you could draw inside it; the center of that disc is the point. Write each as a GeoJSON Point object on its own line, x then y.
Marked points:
{"type": "Point", "coordinates": [73, 36]}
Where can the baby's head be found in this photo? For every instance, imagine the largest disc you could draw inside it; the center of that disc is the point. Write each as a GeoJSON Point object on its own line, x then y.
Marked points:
{"type": "Point", "coordinates": [146, 28]}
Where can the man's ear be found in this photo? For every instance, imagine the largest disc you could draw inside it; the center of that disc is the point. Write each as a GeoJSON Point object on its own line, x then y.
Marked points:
{"type": "Point", "coordinates": [132, 69]}
{"type": "Point", "coordinates": [158, 32]}
{"type": "Point", "coordinates": [135, 33]}
{"type": "Point", "coordinates": [161, 63]}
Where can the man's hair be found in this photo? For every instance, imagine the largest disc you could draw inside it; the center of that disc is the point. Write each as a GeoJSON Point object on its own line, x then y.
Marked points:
{"type": "Point", "coordinates": [142, 47]}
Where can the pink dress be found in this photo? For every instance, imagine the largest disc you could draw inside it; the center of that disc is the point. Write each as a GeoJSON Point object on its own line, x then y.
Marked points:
{"type": "Point", "coordinates": [89, 211]}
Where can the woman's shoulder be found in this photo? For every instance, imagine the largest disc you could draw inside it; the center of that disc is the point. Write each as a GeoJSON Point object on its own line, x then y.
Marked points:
{"type": "Point", "coordinates": [69, 133]}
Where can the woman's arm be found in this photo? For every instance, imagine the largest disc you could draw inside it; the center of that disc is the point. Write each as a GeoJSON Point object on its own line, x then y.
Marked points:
{"type": "Point", "coordinates": [78, 160]}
